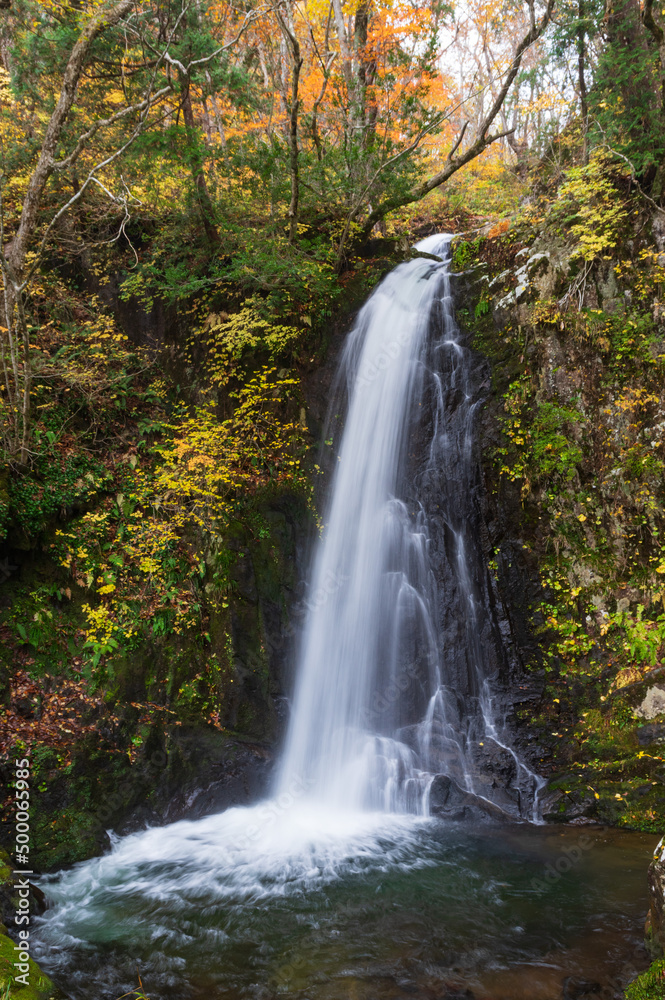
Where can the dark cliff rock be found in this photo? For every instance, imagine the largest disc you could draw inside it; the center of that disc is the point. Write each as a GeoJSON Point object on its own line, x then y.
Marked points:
{"type": "Point", "coordinates": [655, 922]}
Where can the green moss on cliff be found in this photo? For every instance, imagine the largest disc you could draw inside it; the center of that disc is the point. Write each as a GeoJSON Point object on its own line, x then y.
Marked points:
{"type": "Point", "coordinates": [39, 986]}
{"type": "Point", "coordinates": [574, 465]}
{"type": "Point", "coordinates": [147, 611]}
{"type": "Point", "coordinates": [650, 985]}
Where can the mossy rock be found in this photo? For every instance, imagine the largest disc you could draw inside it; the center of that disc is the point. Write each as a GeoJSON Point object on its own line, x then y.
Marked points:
{"type": "Point", "coordinates": [37, 986]}
{"type": "Point", "coordinates": [6, 875]}
{"type": "Point", "coordinates": [650, 985]}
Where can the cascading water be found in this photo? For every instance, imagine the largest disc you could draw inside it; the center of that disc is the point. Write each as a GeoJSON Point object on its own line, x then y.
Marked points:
{"type": "Point", "coordinates": [393, 716]}
{"type": "Point", "coordinates": [394, 684]}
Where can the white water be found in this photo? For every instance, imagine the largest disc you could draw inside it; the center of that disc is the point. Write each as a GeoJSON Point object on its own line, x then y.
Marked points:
{"type": "Point", "coordinates": [373, 567]}
{"type": "Point", "coordinates": [379, 712]}
{"type": "Point", "coordinates": [375, 717]}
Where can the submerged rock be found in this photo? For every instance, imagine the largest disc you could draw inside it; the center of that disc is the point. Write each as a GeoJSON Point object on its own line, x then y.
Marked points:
{"type": "Point", "coordinates": [575, 988]}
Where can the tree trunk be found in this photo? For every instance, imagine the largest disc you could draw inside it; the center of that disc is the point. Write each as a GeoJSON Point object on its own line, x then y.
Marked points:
{"type": "Point", "coordinates": [294, 153]}
{"type": "Point", "coordinates": [106, 18]}
{"type": "Point", "coordinates": [658, 34]}
{"type": "Point", "coordinates": [196, 161]}
{"type": "Point", "coordinates": [365, 71]}
{"type": "Point", "coordinates": [581, 59]}
{"type": "Point", "coordinates": [16, 341]}
{"type": "Point", "coordinates": [294, 150]}
{"type": "Point", "coordinates": [626, 36]}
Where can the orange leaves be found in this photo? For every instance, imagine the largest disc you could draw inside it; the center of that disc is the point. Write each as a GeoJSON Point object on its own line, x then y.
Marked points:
{"type": "Point", "coordinates": [501, 227]}
{"type": "Point", "coordinates": [349, 72]}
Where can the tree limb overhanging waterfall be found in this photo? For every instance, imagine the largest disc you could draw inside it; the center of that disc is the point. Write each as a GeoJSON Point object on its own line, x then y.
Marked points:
{"type": "Point", "coordinates": [394, 689]}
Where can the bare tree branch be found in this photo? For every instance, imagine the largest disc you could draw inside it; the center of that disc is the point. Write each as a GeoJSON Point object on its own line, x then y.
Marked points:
{"type": "Point", "coordinates": [101, 123]}
{"type": "Point", "coordinates": [250, 17]}
{"type": "Point", "coordinates": [483, 139]}
{"type": "Point", "coordinates": [104, 19]}
{"type": "Point", "coordinates": [458, 141]}
{"type": "Point", "coordinates": [360, 201]}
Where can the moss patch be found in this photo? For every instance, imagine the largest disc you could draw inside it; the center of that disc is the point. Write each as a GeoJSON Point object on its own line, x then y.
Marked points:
{"type": "Point", "coordinates": [650, 985]}
{"type": "Point", "coordinates": [572, 448]}
{"type": "Point", "coordinates": [39, 985]}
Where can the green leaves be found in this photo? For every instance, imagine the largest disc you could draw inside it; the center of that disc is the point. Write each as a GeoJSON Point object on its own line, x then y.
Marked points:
{"type": "Point", "coordinates": [54, 485]}
{"type": "Point", "coordinates": [553, 449]}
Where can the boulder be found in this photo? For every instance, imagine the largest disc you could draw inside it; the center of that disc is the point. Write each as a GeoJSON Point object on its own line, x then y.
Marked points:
{"type": "Point", "coordinates": [651, 733]}
{"type": "Point", "coordinates": [653, 704]}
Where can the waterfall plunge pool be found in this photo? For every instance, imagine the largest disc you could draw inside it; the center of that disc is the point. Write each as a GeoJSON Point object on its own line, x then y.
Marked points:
{"type": "Point", "coordinates": [302, 903]}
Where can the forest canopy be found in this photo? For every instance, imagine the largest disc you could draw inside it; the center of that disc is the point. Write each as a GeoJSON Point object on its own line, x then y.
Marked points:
{"type": "Point", "coordinates": [314, 118]}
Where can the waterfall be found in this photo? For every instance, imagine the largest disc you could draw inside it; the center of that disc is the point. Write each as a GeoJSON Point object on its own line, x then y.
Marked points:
{"type": "Point", "coordinates": [396, 716]}
{"type": "Point", "coordinates": [394, 684]}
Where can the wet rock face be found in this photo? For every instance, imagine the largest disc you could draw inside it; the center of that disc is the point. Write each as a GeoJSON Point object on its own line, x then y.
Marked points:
{"type": "Point", "coordinates": [481, 657]}
{"type": "Point", "coordinates": [266, 613]}
{"type": "Point", "coordinates": [651, 734]}
{"type": "Point", "coordinates": [536, 337]}
{"type": "Point", "coordinates": [558, 806]}
{"type": "Point", "coordinates": [655, 922]}
{"type": "Point", "coordinates": [451, 802]}
{"type": "Point", "coordinates": [446, 481]}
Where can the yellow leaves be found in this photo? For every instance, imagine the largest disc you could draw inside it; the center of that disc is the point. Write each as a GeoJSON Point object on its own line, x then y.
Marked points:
{"type": "Point", "coordinates": [581, 517]}
{"type": "Point", "coordinates": [207, 460]}
{"type": "Point", "coordinates": [547, 313]}
{"type": "Point", "coordinates": [5, 91]}
{"type": "Point", "coordinates": [159, 388]}
{"type": "Point", "coordinates": [115, 96]}
{"type": "Point", "coordinates": [599, 212]}
{"type": "Point", "coordinates": [198, 460]}
{"type": "Point", "coordinates": [149, 565]}
{"type": "Point", "coordinates": [101, 626]}
{"type": "Point", "coordinates": [635, 399]}
{"type": "Point", "coordinates": [629, 675]}
{"type": "Point", "coordinates": [229, 336]}
{"type": "Point", "coordinates": [138, 550]}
